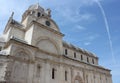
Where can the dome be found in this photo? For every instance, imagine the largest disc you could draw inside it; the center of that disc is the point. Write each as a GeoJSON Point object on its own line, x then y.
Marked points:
{"type": "Point", "coordinates": [36, 7]}
{"type": "Point", "coordinates": [33, 10]}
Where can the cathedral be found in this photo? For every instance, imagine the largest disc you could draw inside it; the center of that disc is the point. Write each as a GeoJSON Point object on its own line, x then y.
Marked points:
{"type": "Point", "coordinates": [33, 51]}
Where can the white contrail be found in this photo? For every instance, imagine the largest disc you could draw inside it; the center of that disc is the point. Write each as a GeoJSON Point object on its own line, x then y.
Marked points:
{"type": "Point", "coordinates": [107, 29]}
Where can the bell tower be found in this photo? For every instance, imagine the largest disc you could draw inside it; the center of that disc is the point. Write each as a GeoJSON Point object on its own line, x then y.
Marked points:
{"type": "Point", "coordinates": [41, 30]}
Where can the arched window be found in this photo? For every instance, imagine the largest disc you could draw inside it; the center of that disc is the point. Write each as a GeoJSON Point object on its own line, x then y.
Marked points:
{"type": "Point", "coordinates": [53, 73]}
{"type": "Point", "coordinates": [81, 57]}
{"type": "Point", "coordinates": [38, 14]}
{"type": "Point", "coordinates": [74, 55]}
{"type": "Point", "coordinates": [87, 59]}
{"type": "Point", "coordinates": [65, 75]}
{"type": "Point", "coordinates": [93, 61]}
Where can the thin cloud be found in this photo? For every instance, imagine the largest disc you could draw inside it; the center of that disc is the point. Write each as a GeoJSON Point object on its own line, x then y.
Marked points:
{"type": "Point", "coordinates": [73, 14]}
{"type": "Point", "coordinates": [79, 27]}
{"type": "Point", "coordinates": [69, 10]}
{"type": "Point", "coordinates": [87, 43]}
{"type": "Point", "coordinates": [88, 40]}
{"type": "Point", "coordinates": [93, 37]}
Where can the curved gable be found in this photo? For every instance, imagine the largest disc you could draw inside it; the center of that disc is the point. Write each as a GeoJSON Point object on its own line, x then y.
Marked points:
{"type": "Point", "coordinates": [47, 45]}
{"type": "Point", "coordinates": [23, 54]}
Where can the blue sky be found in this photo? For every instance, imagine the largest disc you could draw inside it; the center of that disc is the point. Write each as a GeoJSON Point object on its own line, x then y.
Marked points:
{"type": "Point", "coordinates": [82, 23]}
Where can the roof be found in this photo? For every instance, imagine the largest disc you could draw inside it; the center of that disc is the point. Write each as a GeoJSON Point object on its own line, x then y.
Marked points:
{"type": "Point", "coordinates": [78, 49]}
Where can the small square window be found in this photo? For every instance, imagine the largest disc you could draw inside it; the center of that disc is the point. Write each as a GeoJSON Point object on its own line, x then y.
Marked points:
{"type": "Point", "coordinates": [39, 14]}
{"type": "Point", "coordinates": [81, 57]}
{"type": "Point", "coordinates": [93, 61]}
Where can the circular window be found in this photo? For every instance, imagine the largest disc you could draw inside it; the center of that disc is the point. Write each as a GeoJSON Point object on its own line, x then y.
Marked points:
{"type": "Point", "coordinates": [47, 23]}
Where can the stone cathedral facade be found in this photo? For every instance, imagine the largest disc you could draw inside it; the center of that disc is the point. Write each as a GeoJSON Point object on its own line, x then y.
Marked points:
{"type": "Point", "coordinates": [33, 51]}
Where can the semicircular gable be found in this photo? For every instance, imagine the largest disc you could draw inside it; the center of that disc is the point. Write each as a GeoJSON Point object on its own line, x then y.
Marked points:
{"type": "Point", "coordinates": [23, 54]}
{"type": "Point", "coordinates": [47, 45]}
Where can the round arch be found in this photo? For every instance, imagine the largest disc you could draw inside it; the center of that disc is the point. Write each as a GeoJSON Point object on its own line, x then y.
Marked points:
{"type": "Point", "coordinates": [50, 41]}
{"type": "Point", "coordinates": [28, 54]}
{"type": "Point", "coordinates": [20, 69]}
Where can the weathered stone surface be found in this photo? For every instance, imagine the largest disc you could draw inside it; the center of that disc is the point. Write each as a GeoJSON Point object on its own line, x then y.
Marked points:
{"type": "Point", "coordinates": [31, 50]}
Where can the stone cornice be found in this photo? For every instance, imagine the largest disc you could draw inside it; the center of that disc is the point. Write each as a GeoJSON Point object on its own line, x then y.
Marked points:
{"type": "Point", "coordinates": [97, 66]}
{"type": "Point", "coordinates": [18, 27]}
{"type": "Point", "coordinates": [5, 56]}
{"type": "Point", "coordinates": [30, 46]}
{"type": "Point", "coordinates": [20, 60]}
{"type": "Point", "coordinates": [19, 43]}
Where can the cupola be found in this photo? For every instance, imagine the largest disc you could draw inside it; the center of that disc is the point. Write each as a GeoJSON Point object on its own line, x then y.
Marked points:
{"type": "Point", "coordinates": [35, 11]}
